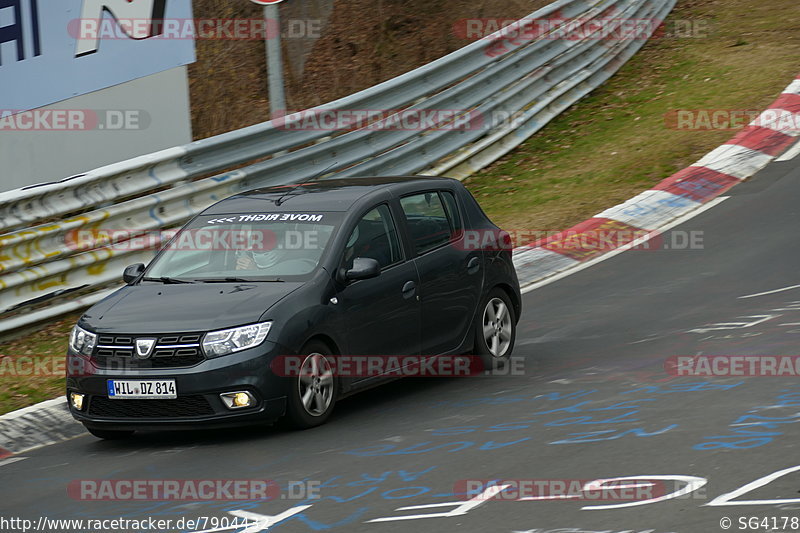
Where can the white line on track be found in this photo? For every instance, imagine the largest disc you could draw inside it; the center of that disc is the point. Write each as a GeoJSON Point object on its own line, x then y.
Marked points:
{"type": "Point", "coordinates": [246, 525]}
{"type": "Point", "coordinates": [11, 460]}
{"type": "Point", "coordinates": [637, 242]}
{"type": "Point", "coordinates": [770, 292]}
{"type": "Point", "coordinates": [791, 153]}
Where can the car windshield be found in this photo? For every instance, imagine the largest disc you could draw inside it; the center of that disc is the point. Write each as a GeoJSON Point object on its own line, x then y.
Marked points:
{"type": "Point", "coordinates": [249, 246]}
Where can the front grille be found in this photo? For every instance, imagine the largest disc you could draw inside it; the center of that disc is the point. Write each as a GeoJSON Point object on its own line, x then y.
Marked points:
{"type": "Point", "coordinates": [170, 351]}
{"type": "Point", "coordinates": [181, 407]}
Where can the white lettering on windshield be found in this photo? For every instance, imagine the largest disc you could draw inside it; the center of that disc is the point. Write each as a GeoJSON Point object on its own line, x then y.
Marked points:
{"type": "Point", "coordinates": [270, 217]}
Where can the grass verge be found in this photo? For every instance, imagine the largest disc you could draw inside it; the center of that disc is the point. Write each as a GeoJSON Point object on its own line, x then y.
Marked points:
{"type": "Point", "coordinates": [615, 143]}
{"type": "Point", "coordinates": [32, 366]}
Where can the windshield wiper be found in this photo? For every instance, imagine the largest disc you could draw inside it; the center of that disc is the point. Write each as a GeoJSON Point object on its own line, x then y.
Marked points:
{"type": "Point", "coordinates": [239, 280]}
{"type": "Point", "coordinates": [168, 280]}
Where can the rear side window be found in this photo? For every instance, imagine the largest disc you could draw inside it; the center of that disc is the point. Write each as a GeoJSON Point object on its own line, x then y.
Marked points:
{"type": "Point", "coordinates": [375, 237]}
{"type": "Point", "coordinates": [428, 220]}
{"type": "Point", "coordinates": [452, 213]}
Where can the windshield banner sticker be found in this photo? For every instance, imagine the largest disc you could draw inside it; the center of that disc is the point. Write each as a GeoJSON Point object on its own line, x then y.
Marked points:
{"type": "Point", "coordinates": [269, 217]}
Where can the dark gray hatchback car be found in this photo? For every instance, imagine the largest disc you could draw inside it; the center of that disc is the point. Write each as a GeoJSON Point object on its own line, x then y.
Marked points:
{"type": "Point", "coordinates": [261, 306]}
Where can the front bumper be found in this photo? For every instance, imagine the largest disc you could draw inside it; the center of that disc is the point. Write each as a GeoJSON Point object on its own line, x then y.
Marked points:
{"type": "Point", "coordinates": [198, 388]}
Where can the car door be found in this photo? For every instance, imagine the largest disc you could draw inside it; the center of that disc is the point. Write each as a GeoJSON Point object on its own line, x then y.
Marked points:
{"type": "Point", "coordinates": [382, 314]}
{"type": "Point", "coordinates": [451, 276]}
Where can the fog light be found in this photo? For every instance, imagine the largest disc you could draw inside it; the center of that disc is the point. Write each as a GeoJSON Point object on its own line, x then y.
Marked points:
{"type": "Point", "coordinates": [76, 399]}
{"type": "Point", "coordinates": [237, 400]}
{"type": "Point", "coordinates": [241, 400]}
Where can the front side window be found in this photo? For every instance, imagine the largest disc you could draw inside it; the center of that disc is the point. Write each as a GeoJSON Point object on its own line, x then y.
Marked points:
{"type": "Point", "coordinates": [428, 221]}
{"type": "Point", "coordinates": [251, 246]}
{"type": "Point", "coordinates": [374, 237]}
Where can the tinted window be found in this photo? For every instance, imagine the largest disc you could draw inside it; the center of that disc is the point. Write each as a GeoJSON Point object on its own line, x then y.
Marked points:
{"type": "Point", "coordinates": [452, 212]}
{"type": "Point", "coordinates": [428, 223]}
{"type": "Point", "coordinates": [374, 237]}
{"type": "Point", "coordinates": [247, 245]}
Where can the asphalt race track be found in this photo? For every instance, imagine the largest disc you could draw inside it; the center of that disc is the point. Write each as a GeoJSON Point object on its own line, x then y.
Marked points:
{"type": "Point", "coordinates": [595, 401]}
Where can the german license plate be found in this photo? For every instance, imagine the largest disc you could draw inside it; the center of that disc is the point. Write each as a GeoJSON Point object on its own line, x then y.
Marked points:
{"type": "Point", "coordinates": [163, 389]}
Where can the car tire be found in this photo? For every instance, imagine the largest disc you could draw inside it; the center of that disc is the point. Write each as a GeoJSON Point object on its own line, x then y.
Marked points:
{"type": "Point", "coordinates": [495, 330]}
{"type": "Point", "coordinates": [312, 393]}
{"type": "Point", "coordinates": [109, 434]}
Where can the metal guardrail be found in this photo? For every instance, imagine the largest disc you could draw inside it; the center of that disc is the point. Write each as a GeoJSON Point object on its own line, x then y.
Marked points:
{"type": "Point", "coordinates": [45, 270]}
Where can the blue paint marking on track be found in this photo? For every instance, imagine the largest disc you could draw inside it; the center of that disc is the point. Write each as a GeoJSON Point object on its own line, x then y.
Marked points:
{"type": "Point", "coordinates": [750, 431]}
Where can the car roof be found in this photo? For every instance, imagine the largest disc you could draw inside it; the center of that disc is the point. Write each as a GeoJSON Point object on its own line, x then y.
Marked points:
{"type": "Point", "coordinates": [323, 195]}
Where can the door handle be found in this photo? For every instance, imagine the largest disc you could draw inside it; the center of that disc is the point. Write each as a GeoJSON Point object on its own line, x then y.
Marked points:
{"type": "Point", "coordinates": [409, 288]}
{"type": "Point", "coordinates": [473, 265]}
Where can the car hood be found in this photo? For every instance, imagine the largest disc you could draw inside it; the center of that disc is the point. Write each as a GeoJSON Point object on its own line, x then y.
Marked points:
{"type": "Point", "coordinates": [156, 308]}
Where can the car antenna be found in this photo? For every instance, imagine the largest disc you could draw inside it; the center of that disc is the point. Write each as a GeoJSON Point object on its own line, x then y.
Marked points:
{"type": "Point", "coordinates": [280, 200]}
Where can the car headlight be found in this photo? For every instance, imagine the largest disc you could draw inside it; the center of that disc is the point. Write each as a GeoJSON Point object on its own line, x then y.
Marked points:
{"type": "Point", "coordinates": [226, 341]}
{"type": "Point", "coordinates": [81, 341]}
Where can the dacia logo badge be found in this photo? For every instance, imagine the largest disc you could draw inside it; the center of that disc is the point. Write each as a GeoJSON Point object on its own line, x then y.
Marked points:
{"type": "Point", "coordinates": [144, 347]}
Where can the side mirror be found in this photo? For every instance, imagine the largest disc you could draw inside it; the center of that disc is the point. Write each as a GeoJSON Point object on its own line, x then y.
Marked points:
{"type": "Point", "coordinates": [363, 268]}
{"type": "Point", "coordinates": [132, 273]}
